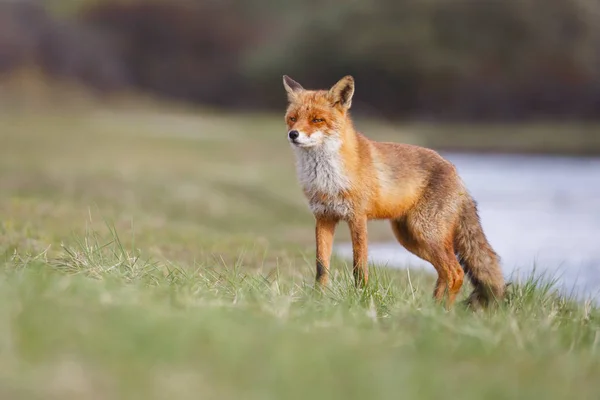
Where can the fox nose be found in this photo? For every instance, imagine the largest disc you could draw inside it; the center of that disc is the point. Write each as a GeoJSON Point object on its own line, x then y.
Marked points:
{"type": "Point", "coordinates": [293, 135]}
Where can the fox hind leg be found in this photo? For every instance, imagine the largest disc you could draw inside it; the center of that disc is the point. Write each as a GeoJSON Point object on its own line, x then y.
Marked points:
{"type": "Point", "coordinates": [444, 259]}
{"type": "Point", "coordinates": [440, 253]}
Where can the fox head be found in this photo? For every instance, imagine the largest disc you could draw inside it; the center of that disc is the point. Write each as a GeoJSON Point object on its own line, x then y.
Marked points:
{"type": "Point", "coordinates": [317, 117]}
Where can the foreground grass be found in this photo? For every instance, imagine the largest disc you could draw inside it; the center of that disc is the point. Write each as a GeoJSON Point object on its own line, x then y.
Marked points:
{"type": "Point", "coordinates": [99, 322]}
{"type": "Point", "coordinates": [200, 284]}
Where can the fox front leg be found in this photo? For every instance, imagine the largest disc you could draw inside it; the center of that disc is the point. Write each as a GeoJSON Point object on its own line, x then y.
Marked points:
{"type": "Point", "coordinates": [324, 232]}
{"type": "Point", "coordinates": [358, 231]}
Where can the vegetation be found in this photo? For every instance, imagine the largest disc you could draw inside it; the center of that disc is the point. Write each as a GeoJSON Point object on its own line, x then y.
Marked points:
{"type": "Point", "coordinates": [459, 60]}
{"type": "Point", "coordinates": [167, 253]}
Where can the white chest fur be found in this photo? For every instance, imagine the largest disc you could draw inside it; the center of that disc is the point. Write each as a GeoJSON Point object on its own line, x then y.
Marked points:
{"type": "Point", "coordinates": [322, 176]}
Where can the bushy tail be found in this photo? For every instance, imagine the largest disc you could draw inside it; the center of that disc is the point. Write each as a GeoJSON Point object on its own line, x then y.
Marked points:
{"type": "Point", "coordinates": [478, 259]}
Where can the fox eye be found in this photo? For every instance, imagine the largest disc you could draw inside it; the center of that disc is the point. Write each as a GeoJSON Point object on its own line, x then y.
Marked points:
{"type": "Point", "coordinates": [293, 119]}
{"type": "Point", "coordinates": [317, 120]}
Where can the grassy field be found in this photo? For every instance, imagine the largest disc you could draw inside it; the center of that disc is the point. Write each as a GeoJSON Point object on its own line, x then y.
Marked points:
{"type": "Point", "coordinates": [168, 254]}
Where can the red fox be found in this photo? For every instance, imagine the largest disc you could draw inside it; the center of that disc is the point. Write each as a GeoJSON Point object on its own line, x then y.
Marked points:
{"type": "Point", "coordinates": [347, 177]}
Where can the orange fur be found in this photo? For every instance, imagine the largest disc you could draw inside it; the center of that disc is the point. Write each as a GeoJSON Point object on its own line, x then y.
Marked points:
{"type": "Point", "coordinates": [346, 176]}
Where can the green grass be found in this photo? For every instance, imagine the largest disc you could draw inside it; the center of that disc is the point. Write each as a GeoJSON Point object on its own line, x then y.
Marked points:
{"type": "Point", "coordinates": [158, 253]}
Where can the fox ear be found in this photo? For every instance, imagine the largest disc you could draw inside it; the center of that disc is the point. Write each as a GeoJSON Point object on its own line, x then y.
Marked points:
{"type": "Point", "coordinates": [291, 87]}
{"type": "Point", "coordinates": [341, 93]}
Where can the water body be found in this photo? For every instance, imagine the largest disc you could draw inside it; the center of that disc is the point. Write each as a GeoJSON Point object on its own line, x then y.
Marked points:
{"type": "Point", "coordinates": [540, 213]}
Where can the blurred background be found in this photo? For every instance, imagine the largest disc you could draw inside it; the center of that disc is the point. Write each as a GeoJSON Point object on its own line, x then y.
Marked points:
{"type": "Point", "coordinates": [511, 60]}
{"type": "Point", "coordinates": [507, 77]}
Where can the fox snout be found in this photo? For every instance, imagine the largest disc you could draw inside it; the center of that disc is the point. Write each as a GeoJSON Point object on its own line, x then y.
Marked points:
{"type": "Point", "coordinates": [293, 135]}
{"type": "Point", "coordinates": [302, 139]}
